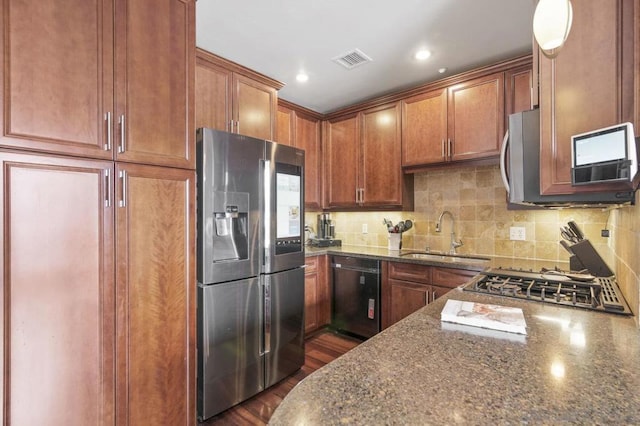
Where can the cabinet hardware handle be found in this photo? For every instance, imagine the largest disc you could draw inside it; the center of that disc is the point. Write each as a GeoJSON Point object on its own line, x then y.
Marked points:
{"type": "Point", "coordinates": [442, 146]}
{"type": "Point", "coordinates": [107, 117]}
{"type": "Point", "coordinates": [449, 150]}
{"type": "Point", "coordinates": [361, 195]}
{"type": "Point", "coordinates": [433, 296]}
{"type": "Point", "coordinates": [107, 178]}
{"type": "Point", "coordinates": [237, 127]}
{"type": "Point", "coordinates": [123, 133]}
{"type": "Point", "coordinates": [122, 175]}
{"type": "Point", "coordinates": [357, 195]}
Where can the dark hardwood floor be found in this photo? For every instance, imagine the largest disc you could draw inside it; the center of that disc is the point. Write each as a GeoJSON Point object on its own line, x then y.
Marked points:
{"type": "Point", "coordinates": [320, 349]}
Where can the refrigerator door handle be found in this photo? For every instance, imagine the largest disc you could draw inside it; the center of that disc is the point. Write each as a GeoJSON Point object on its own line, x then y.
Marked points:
{"type": "Point", "coordinates": [267, 316]}
{"type": "Point", "coordinates": [267, 215]}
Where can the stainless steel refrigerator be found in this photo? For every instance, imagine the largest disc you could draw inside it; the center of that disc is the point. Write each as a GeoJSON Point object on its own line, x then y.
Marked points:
{"type": "Point", "coordinates": [250, 260]}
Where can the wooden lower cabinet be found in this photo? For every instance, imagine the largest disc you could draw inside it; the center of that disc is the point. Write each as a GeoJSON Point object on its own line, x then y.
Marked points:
{"type": "Point", "coordinates": [317, 297]}
{"type": "Point", "coordinates": [97, 309]}
{"type": "Point", "coordinates": [405, 298]}
{"type": "Point", "coordinates": [406, 287]}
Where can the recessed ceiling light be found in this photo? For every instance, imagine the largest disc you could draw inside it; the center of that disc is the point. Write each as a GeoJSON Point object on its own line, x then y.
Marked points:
{"type": "Point", "coordinates": [442, 70]}
{"type": "Point", "coordinates": [302, 77]}
{"type": "Point", "coordinates": [422, 54]}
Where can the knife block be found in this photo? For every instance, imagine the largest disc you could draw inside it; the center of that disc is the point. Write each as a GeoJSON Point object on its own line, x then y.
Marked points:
{"type": "Point", "coordinates": [586, 257]}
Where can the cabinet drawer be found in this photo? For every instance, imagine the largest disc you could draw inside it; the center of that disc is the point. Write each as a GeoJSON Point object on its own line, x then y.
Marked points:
{"type": "Point", "coordinates": [449, 277]}
{"type": "Point", "coordinates": [410, 272]}
{"type": "Point", "coordinates": [311, 265]}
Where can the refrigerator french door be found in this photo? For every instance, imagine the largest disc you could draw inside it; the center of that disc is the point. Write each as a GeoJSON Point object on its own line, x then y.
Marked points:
{"type": "Point", "coordinates": [250, 312]}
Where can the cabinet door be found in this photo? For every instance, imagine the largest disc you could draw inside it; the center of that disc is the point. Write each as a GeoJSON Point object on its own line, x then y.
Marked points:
{"type": "Point", "coordinates": [254, 107]}
{"type": "Point", "coordinates": [451, 277]}
{"type": "Point", "coordinates": [213, 96]}
{"type": "Point", "coordinates": [406, 298]}
{"type": "Point", "coordinates": [381, 176]}
{"type": "Point", "coordinates": [311, 295]}
{"type": "Point", "coordinates": [587, 87]}
{"type": "Point", "coordinates": [155, 59]}
{"type": "Point", "coordinates": [324, 291]}
{"type": "Point", "coordinates": [476, 118]}
{"type": "Point", "coordinates": [437, 292]}
{"type": "Point", "coordinates": [424, 128]}
{"type": "Point", "coordinates": [57, 76]}
{"type": "Point", "coordinates": [307, 137]}
{"type": "Point", "coordinates": [285, 126]}
{"type": "Point", "coordinates": [57, 301]}
{"type": "Point", "coordinates": [155, 280]}
{"type": "Point", "coordinates": [518, 84]}
{"type": "Point", "coordinates": [341, 162]}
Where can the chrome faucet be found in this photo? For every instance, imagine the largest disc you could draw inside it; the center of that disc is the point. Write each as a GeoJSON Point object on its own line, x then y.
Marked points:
{"type": "Point", "coordinates": [454, 244]}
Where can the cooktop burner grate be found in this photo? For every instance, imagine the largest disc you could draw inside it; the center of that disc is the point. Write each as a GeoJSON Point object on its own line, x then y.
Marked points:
{"type": "Point", "coordinates": [599, 294]}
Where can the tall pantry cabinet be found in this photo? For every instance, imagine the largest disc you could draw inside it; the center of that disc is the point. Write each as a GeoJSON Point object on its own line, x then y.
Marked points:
{"type": "Point", "coordinates": [97, 293]}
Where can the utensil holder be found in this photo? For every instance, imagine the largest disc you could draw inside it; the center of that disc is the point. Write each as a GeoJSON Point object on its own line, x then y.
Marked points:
{"type": "Point", "coordinates": [395, 241]}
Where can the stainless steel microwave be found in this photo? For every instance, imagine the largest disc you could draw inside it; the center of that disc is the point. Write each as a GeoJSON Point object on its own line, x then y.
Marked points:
{"type": "Point", "coordinates": [520, 169]}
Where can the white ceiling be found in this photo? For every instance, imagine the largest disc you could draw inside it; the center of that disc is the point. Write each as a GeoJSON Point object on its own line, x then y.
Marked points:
{"type": "Point", "coordinates": [279, 38]}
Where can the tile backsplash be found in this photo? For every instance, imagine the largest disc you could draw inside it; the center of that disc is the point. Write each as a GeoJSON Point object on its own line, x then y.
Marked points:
{"type": "Point", "coordinates": [625, 244]}
{"type": "Point", "coordinates": [477, 199]}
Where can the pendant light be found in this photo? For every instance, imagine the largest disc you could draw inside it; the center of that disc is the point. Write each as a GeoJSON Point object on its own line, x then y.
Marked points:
{"type": "Point", "coordinates": [551, 25]}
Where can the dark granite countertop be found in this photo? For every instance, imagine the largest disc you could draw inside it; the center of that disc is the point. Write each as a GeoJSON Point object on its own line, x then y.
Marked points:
{"type": "Point", "coordinates": [574, 366]}
{"type": "Point", "coordinates": [461, 261]}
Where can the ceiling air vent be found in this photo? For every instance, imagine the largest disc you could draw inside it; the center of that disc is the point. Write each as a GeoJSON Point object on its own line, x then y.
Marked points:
{"type": "Point", "coordinates": [352, 59]}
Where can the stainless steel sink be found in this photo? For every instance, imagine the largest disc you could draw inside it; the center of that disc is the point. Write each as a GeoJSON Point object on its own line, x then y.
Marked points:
{"type": "Point", "coordinates": [443, 257]}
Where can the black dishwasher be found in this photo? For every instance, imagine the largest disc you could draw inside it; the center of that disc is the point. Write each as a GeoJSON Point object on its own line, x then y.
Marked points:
{"type": "Point", "coordinates": [356, 295]}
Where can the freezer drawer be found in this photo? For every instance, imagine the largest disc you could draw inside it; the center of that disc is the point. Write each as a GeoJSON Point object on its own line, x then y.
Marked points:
{"type": "Point", "coordinates": [230, 367]}
{"type": "Point", "coordinates": [284, 324]}
{"type": "Point", "coordinates": [356, 296]}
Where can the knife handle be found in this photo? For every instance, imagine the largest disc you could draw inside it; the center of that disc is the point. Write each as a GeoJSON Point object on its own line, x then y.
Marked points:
{"type": "Point", "coordinates": [576, 230]}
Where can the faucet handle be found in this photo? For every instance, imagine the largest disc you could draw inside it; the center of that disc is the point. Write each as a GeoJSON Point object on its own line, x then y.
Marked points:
{"type": "Point", "coordinates": [454, 245]}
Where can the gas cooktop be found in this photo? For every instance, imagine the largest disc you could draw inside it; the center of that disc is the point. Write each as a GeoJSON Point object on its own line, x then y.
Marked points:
{"type": "Point", "coordinates": [555, 287]}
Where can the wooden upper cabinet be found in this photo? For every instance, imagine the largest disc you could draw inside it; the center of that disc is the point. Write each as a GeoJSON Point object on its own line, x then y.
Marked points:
{"type": "Point", "coordinates": [254, 108]}
{"type": "Point", "coordinates": [381, 172]}
{"type": "Point", "coordinates": [60, 82]}
{"type": "Point", "coordinates": [363, 161]}
{"type": "Point", "coordinates": [213, 96]}
{"type": "Point", "coordinates": [589, 85]}
{"type": "Point", "coordinates": [58, 295]}
{"type": "Point", "coordinates": [424, 128]}
{"type": "Point", "coordinates": [154, 82]}
{"type": "Point", "coordinates": [518, 90]}
{"type": "Point", "coordinates": [341, 160]}
{"type": "Point", "coordinates": [476, 118]}
{"type": "Point", "coordinates": [285, 125]}
{"type": "Point", "coordinates": [235, 99]}
{"type": "Point", "coordinates": [460, 122]}
{"type": "Point", "coordinates": [155, 284]}
{"type": "Point", "coordinates": [307, 137]}
{"type": "Point", "coordinates": [300, 128]}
